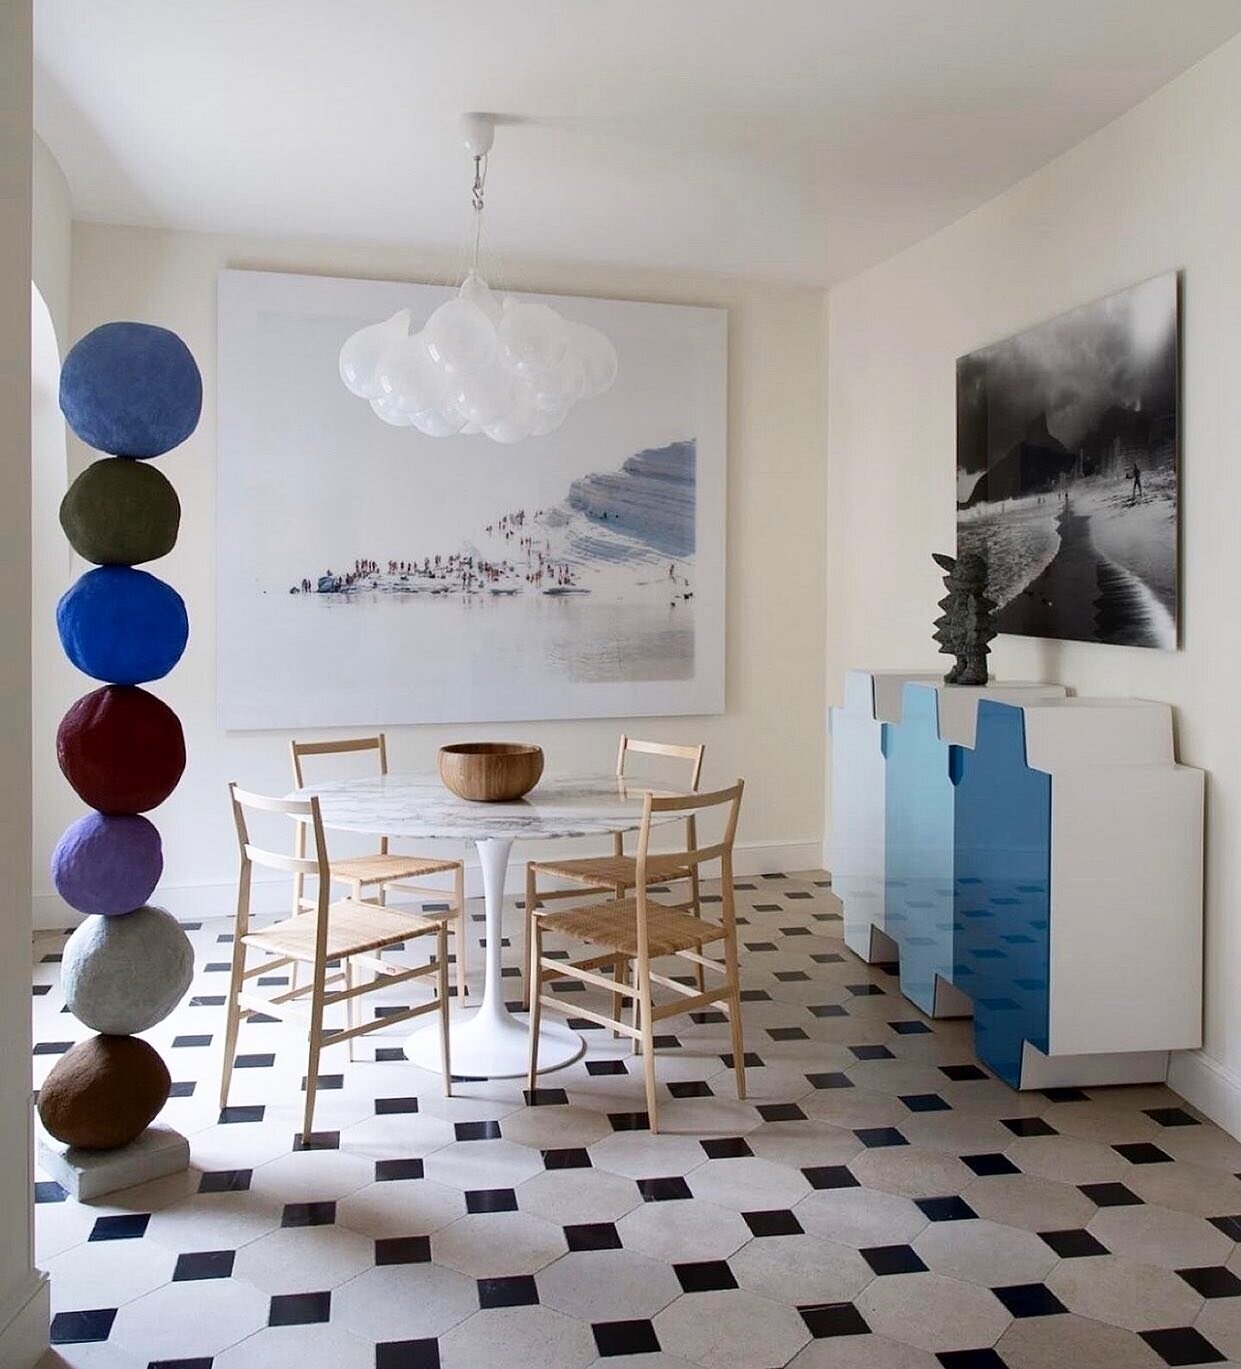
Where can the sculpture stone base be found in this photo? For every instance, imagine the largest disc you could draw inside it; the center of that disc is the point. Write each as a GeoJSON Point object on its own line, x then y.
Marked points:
{"type": "Point", "coordinates": [88, 1174]}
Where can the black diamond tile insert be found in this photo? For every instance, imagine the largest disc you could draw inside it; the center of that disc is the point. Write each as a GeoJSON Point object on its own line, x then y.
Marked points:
{"type": "Point", "coordinates": [752, 1061]}
{"type": "Point", "coordinates": [53, 958]}
{"type": "Point", "coordinates": [490, 1200]}
{"type": "Point", "coordinates": [825, 957]}
{"type": "Point", "coordinates": [829, 1010]}
{"type": "Point", "coordinates": [126, 1227]}
{"type": "Point", "coordinates": [317, 1140]}
{"type": "Point", "coordinates": [707, 1019]}
{"type": "Point", "coordinates": [251, 1112]}
{"type": "Point", "coordinates": [225, 1181]}
{"type": "Point", "coordinates": [1074, 1243]}
{"type": "Point", "coordinates": [517, 1290]}
{"type": "Point", "coordinates": [990, 1162]}
{"type": "Point", "coordinates": [1143, 1153]}
{"type": "Point", "coordinates": [403, 1250]}
{"type": "Point", "coordinates": [58, 1047]}
{"type": "Point", "coordinates": [1028, 1126]}
{"type": "Point", "coordinates": [386, 1107]}
{"type": "Point", "coordinates": [48, 1191]}
{"type": "Point", "coordinates": [791, 976]}
{"type": "Point", "coordinates": [864, 990]}
{"type": "Point", "coordinates": [207, 1000]}
{"type": "Point", "coordinates": [705, 1276]}
{"type": "Point", "coordinates": [893, 1259]}
{"type": "Point", "coordinates": [874, 1137]}
{"type": "Point", "coordinates": [182, 1041]}
{"type": "Point", "coordinates": [217, 967]}
{"type": "Point", "coordinates": [1171, 1117]}
{"type": "Point", "coordinates": [781, 1112]}
{"type": "Point", "coordinates": [1182, 1345]}
{"type": "Point", "coordinates": [664, 1190]}
{"type": "Point", "coordinates": [871, 1052]}
{"type": "Point", "coordinates": [690, 1088]}
{"type": "Point", "coordinates": [308, 1214]}
{"type": "Point", "coordinates": [566, 1157]}
{"type": "Point", "coordinates": [408, 1354]}
{"type": "Point", "coordinates": [1030, 1300]}
{"type": "Point", "coordinates": [986, 1358]}
{"type": "Point", "coordinates": [386, 1055]}
{"type": "Point", "coordinates": [726, 1147]}
{"type": "Point", "coordinates": [834, 1079]}
{"type": "Point", "coordinates": [754, 995]}
{"type": "Point", "coordinates": [77, 1328]}
{"type": "Point", "coordinates": [254, 1062]}
{"type": "Point", "coordinates": [476, 1131]}
{"type": "Point", "coordinates": [544, 1098]}
{"type": "Point", "coordinates": [593, 1236]}
{"type": "Point", "coordinates": [299, 1309]}
{"type": "Point", "coordinates": [826, 1319]}
{"type": "Point", "coordinates": [597, 1067]}
{"type": "Point", "coordinates": [760, 945]}
{"type": "Point", "coordinates": [326, 1081]}
{"type": "Point", "coordinates": [204, 1264]}
{"type": "Point", "coordinates": [909, 1028]}
{"type": "Point", "coordinates": [199, 1362]}
{"type": "Point", "coordinates": [1065, 1095]}
{"type": "Point", "coordinates": [629, 1121]}
{"type": "Point", "coordinates": [182, 1088]}
{"type": "Point", "coordinates": [925, 1102]}
{"type": "Point", "coordinates": [1110, 1195]}
{"type": "Point", "coordinates": [614, 1338]}
{"type": "Point", "coordinates": [948, 1209]}
{"type": "Point", "coordinates": [960, 1074]}
{"type": "Point", "coordinates": [388, 1170]}
{"type": "Point", "coordinates": [1212, 1281]}
{"type": "Point", "coordinates": [1230, 1226]}
{"type": "Point", "coordinates": [830, 1176]}
{"type": "Point", "coordinates": [773, 1222]}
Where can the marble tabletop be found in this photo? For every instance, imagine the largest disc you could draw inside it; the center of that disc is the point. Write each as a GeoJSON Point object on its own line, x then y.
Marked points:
{"type": "Point", "coordinates": [420, 806]}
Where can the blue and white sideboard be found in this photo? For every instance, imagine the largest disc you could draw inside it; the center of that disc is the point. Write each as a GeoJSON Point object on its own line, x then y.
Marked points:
{"type": "Point", "coordinates": [1035, 857]}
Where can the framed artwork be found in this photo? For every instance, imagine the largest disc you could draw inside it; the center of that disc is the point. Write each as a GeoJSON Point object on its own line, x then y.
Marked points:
{"type": "Point", "coordinates": [1067, 470]}
{"type": "Point", "coordinates": [371, 575]}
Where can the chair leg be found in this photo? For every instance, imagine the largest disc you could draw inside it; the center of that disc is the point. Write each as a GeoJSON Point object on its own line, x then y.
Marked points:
{"type": "Point", "coordinates": [734, 1012]}
{"type": "Point", "coordinates": [312, 1057]}
{"type": "Point", "coordinates": [232, 1020]}
{"type": "Point", "coordinates": [637, 1009]}
{"type": "Point", "coordinates": [441, 956]}
{"type": "Point", "coordinates": [528, 938]}
{"type": "Point", "coordinates": [535, 982]}
{"type": "Point", "coordinates": [463, 936]}
{"type": "Point", "coordinates": [695, 899]}
{"type": "Point", "coordinates": [352, 1009]}
{"type": "Point", "coordinates": [648, 1045]}
{"type": "Point", "coordinates": [618, 998]}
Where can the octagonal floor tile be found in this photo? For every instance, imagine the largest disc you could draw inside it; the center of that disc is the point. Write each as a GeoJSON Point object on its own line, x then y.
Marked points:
{"type": "Point", "coordinates": [518, 1338]}
{"type": "Point", "coordinates": [570, 1197]}
{"type": "Point", "coordinates": [295, 1347]}
{"type": "Point", "coordinates": [497, 1244]}
{"type": "Point", "coordinates": [401, 1207]}
{"type": "Point", "coordinates": [482, 1164]}
{"type": "Point", "coordinates": [608, 1285]}
{"type": "Point", "coordinates": [1074, 1342]}
{"type": "Point", "coordinates": [682, 1231]}
{"type": "Point", "coordinates": [748, 1184]}
{"type": "Point", "coordinates": [862, 1352]}
{"type": "Point", "coordinates": [1158, 1235]}
{"type": "Point", "coordinates": [983, 1252]}
{"type": "Point", "coordinates": [800, 1270]}
{"type": "Point", "coordinates": [860, 1217]}
{"type": "Point", "coordinates": [404, 1302]}
{"type": "Point", "coordinates": [933, 1312]}
{"type": "Point", "coordinates": [1124, 1292]}
{"type": "Point", "coordinates": [731, 1329]}
{"type": "Point", "coordinates": [184, 1320]}
{"type": "Point", "coordinates": [911, 1171]}
{"type": "Point", "coordinates": [301, 1258]}
{"type": "Point", "coordinates": [1029, 1202]}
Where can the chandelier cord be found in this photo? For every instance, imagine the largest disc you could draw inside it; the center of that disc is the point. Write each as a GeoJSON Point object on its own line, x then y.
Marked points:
{"type": "Point", "coordinates": [480, 182]}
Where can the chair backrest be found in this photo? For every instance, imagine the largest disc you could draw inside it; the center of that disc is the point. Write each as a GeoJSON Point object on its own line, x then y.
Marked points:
{"type": "Point", "coordinates": [692, 754]}
{"type": "Point", "coordinates": [304, 812]}
{"type": "Point", "coordinates": [337, 747]}
{"type": "Point", "coordinates": [689, 806]}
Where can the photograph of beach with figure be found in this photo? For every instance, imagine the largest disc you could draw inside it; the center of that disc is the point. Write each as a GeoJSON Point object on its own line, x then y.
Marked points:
{"type": "Point", "coordinates": [1067, 439]}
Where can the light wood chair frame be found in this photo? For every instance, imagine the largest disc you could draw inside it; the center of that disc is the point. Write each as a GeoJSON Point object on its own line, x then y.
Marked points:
{"type": "Point", "coordinates": [455, 898]}
{"type": "Point", "coordinates": [636, 985]}
{"type": "Point", "coordinates": [537, 898]}
{"type": "Point", "coordinates": [242, 1003]}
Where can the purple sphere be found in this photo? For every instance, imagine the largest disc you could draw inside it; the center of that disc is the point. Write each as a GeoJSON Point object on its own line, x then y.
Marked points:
{"type": "Point", "coordinates": [107, 863]}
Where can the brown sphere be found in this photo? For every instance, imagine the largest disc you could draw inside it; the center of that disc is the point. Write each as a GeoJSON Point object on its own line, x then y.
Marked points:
{"type": "Point", "coordinates": [104, 1093]}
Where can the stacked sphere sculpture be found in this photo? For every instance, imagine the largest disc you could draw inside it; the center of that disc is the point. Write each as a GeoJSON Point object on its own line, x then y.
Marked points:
{"type": "Point", "coordinates": [132, 391]}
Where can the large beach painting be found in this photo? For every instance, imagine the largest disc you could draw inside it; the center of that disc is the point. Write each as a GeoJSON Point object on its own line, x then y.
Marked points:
{"type": "Point", "coordinates": [1067, 439]}
{"type": "Point", "coordinates": [372, 575]}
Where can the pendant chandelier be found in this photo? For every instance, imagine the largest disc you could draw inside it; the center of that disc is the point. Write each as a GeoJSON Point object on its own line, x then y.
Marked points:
{"type": "Point", "coordinates": [508, 367]}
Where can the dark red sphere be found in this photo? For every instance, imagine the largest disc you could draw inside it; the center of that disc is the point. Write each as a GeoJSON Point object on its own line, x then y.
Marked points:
{"type": "Point", "coordinates": [121, 749]}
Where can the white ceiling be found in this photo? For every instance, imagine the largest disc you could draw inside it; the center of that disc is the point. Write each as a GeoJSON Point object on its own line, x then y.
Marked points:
{"type": "Point", "coordinates": [788, 139]}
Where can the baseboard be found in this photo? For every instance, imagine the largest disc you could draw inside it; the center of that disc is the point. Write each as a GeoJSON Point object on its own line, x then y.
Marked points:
{"type": "Point", "coordinates": [196, 902]}
{"type": "Point", "coordinates": [1211, 1087]}
{"type": "Point", "coordinates": [24, 1323]}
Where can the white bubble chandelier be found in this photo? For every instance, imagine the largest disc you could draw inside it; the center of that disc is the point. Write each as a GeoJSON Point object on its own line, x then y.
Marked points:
{"type": "Point", "coordinates": [508, 367]}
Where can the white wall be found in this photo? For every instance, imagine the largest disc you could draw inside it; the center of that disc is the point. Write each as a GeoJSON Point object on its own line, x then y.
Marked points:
{"type": "Point", "coordinates": [1158, 189]}
{"type": "Point", "coordinates": [23, 1292]}
{"type": "Point", "coordinates": [772, 732]}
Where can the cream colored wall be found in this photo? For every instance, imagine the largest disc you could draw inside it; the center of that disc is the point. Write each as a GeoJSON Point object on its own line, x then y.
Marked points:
{"type": "Point", "coordinates": [1159, 189]}
{"type": "Point", "coordinates": [772, 732]}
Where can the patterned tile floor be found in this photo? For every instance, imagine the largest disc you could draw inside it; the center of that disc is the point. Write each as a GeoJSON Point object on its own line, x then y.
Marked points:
{"type": "Point", "coordinates": [879, 1202]}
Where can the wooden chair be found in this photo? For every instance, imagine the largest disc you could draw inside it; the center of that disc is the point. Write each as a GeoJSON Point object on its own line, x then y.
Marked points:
{"type": "Point", "coordinates": [350, 932]}
{"type": "Point", "coordinates": [388, 870]}
{"type": "Point", "coordinates": [631, 932]}
{"type": "Point", "coordinates": [614, 874]}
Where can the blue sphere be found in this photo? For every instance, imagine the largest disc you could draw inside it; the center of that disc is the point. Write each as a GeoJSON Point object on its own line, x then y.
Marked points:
{"type": "Point", "coordinates": [131, 389]}
{"type": "Point", "coordinates": [122, 626]}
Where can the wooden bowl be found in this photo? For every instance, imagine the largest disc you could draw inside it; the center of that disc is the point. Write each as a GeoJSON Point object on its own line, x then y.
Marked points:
{"type": "Point", "coordinates": [490, 772]}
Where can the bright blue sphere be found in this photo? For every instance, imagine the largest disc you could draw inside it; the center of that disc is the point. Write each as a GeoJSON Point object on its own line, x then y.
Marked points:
{"type": "Point", "coordinates": [131, 389]}
{"type": "Point", "coordinates": [122, 626]}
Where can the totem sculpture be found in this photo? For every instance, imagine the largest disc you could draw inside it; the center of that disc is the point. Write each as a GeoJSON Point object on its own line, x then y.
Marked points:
{"type": "Point", "coordinates": [964, 630]}
{"type": "Point", "coordinates": [131, 391]}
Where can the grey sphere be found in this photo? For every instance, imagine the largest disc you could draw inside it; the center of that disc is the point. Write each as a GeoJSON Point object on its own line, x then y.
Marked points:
{"type": "Point", "coordinates": [125, 973]}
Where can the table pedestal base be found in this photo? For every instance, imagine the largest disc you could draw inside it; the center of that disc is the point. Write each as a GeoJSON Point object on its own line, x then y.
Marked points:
{"type": "Point", "coordinates": [486, 1046]}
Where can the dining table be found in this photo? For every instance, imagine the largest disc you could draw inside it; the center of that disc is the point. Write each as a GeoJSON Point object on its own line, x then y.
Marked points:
{"type": "Point", "coordinates": [488, 1040]}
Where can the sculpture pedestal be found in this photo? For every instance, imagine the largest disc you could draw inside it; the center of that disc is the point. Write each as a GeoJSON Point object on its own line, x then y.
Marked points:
{"type": "Point", "coordinates": [89, 1174]}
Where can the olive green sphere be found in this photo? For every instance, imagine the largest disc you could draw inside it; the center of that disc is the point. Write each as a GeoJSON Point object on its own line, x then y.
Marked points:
{"type": "Point", "coordinates": [120, 512]}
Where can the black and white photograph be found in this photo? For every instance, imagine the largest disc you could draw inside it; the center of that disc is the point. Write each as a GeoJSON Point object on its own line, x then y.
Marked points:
{"type": "Point", "coordinates": [1067, 470]}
